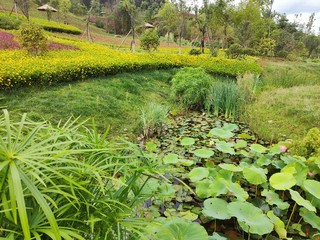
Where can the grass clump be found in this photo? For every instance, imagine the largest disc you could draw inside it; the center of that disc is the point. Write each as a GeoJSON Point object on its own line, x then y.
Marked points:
{"type": "Point", "coordinates": [309, 146]}
{"type": "Point", "coordinates": [285, 112]}
{"type": "Point", "coordinates": [191, 87]}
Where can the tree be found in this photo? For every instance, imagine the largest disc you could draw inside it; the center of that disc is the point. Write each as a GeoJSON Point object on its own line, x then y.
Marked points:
{"type": "Point", "coordinates": [248, 23]}
{"type": "Point", "coordinates": [182, 19]}
{"type": "Point", "coordinates": [150, 40]}
{"type": "Point", "coordinates": [64, 8]}
{"type": "Point", "coordinates": [24, 6]}
{"type": "Point", "coordinates": [312, 43]}
{"type": "Point", "coordinates": [223, 11]}
{"type": "Point", "coordinates": [168, 18]}
{"type": "Point", "coordinates": [132, 10]}
{"type": "Point", "coordinates": [202, 21]}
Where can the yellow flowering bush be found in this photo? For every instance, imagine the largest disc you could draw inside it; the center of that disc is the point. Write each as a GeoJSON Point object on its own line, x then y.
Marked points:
{"type": "Point", "coordinates": [93, 60]}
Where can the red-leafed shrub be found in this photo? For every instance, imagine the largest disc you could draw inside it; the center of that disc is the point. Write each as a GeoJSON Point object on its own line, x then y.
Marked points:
{"type": "Point", "coordinates": [7, 41]}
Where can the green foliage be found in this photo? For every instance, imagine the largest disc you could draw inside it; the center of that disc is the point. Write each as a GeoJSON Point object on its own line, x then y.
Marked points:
{"type": "Point", "coordinates": [266, 47]}
{"type": "Point", "coordinates": [33, 39]}
{"type": "Point", "coordinates": [191, 87]}
{"type": "Point", "coordinates": [9, 22]}
{"type": "Point", "coordinates": [194, 51]}
{"type": "Point", "coordinates": [235, 51]}
{"type": "Point", "coordinates": [309, 146]}
{"type": "Point", "coordinates": [250, 52]}
{"type": "Point", "coordinates": [282, 54]}
{"type": "Point", "coordinates": [57, 27]}
{"type": "Point", "coordinates": [54, 180]}
{"type": "Point", "coordinates": [150, 40]}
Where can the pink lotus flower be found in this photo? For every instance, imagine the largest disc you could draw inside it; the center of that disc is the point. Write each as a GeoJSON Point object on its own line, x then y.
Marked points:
{"type": "Point", "coordinates": [283, 148]}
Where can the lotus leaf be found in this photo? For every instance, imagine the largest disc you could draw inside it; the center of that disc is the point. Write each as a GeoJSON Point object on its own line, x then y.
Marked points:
{"type": "Point", "coordinates": [221, 133]}
{"type": "Point", "coordinates": [301, 201]}
{"type": "Point", "coordinates": [272, 198]}
{"type": "Point", "coordinates": [171, 159]}
{"type": "Point", "coordinates": [245, 136]}
{"type": "Point", "coordinates": [279, 226]}
{"type": "Point", "coordinates": [310, 217]}
{"type": "Point", "coordinates": [263, 161]}
{"type": "Point", "coordinates": [258, 148]}
{"type": "Point", "coordinates": [254, 175]}
{"type": "Point", "coordinates": [216, 208]}
{"type": "Point", "coordinates": [217, 187]}
{"type": "Point", "coordinates": [225, 147]}
{"type": "Point", "coordinates": [236, 190]}
{"type": "Point", "coordinates": [230, 127]}
{"type": "Point", "coordinates": [231, 167]}
{"type": "Point", "coordinates": [216, 236]}
{"type": "Point", "coordinates": [177, 228]}
{"type": "Point", "coordinates": [187, 141]}
{"type": "Point", "coordinates": [282, 181]}
{"type": "Point", "coordinates": [312, 187]}
{"type": "Point", "coordinates": [202, 188]}
{"type": "Point", "coordinates": [250, 218]}
{"type": "Point", "coordinates": [203, 153]}
{"type": "Point", "coordinates": [186, 163]}
{"type": "Point", "coordinates": [240, 144]}
{"type": "Point", "coordinates": [198, 174]}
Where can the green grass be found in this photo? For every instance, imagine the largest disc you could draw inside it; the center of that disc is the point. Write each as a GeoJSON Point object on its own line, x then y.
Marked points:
{"type": "Point", "coordinates": [114, 100]}
{"type": "Point", "coordinates": [290, 74]}
{"type": "Point", "coordinates": [285, 113]}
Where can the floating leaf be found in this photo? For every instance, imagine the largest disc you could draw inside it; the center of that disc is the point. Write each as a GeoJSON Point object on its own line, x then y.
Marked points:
{"type": "Point", "coordinates": [230, 127]}
{"type": "Point", "coordinates": [310, 217]}
{"type": "Point", "coordinates": [217, 236]}
{"type": "Point", "coordinates": [188, 215]}
{"type": "Point", "coordinates": [236, 190]}
{"type": "Point", "coordinates": [282, 181]}
{"type": "Point", "coordinates": [218, 187]}
{"type": "Point", "coordinates": [240, 144]}
{"type": "Point", "coordinates": [204, 153]}
{"type": "Point", "coordinates": [231, 167]}
{"type": "Point", "coordinates": [245, 136]}
{"type": "Point", "coordinates": [198, 174]}
{"type": "Point", "coordinates": [151, 146]}
{"type": "Point", "coordinates": [278, 225]}
{"type": "Point", "coordinates": [250, 218]}
{"type": "Point", "coordinates": [301, 201]}
{"type": "Point", "coordinates": [202, 188]}
{"type": "Point", "coordinates": [177, 228]}
{"type": "Point", "coordinates": [263, 161]}
{"type": "Point", "coordinates": [258, 148]}
{"type": "Point", "coordinates": [216, 208]}
{"type": "Point", "coordinates": [187, 141]}
{"type": "Point", "coordinates": [220, 133]}
{"type": "Point", "coordinates": [171, 159]}
{"type": "Point", "coordinates": [272, 198]}
{"type": "Point", "coordinates": [166, 190]}
{"type": "Point", "coordinates": [312, 187]}
{"type": "Point", "coordinates": [186, 163]}
{"type": "Point", "coordinates": [254, 175]}
{"type": "Point", "coordinates": [225, 147]}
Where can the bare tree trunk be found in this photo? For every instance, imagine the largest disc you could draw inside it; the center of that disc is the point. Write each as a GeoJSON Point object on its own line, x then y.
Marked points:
{"type": "Point", "coordinates": [168, 38]}
{"type": "Point", "coordinates": [180, 36]}
{"type": "Point", "coordinates": [133, 44]}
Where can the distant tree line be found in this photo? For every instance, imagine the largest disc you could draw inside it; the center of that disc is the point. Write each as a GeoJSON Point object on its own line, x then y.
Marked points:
{"type": "Point", "coordinates": [251, 25]}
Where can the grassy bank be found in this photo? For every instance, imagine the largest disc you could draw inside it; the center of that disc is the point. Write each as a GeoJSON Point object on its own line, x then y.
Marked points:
{"type": "Point", "coordinates": [114, 100]}
{"type": "Point", "coordinates": [288, 105]}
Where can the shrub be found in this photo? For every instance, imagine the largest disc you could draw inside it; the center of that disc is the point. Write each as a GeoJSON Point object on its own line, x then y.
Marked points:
{"type": "Point", "coordinates": [9, 22]}
{"type": "Point", "coordinates": [56, 27]}
{"type": "Point", "coordinates": [266, 47]}
{"type": "Point", "coordinates": [191, 87]}
{"type": "Point", "coordinates": [309, 146]}
{"type": "Point", "coordinates": [195, 52]}
{"type": "Point", "coordinates": [283, 54]}
{"type": "Point", "coordinates": [33, 39]}
{"type": "Point", "coordinates": [250, 52]}
{"type": "Point", "coordinates": [235, 51]}
{"type": "Point", "coordinates": [150, 40]}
